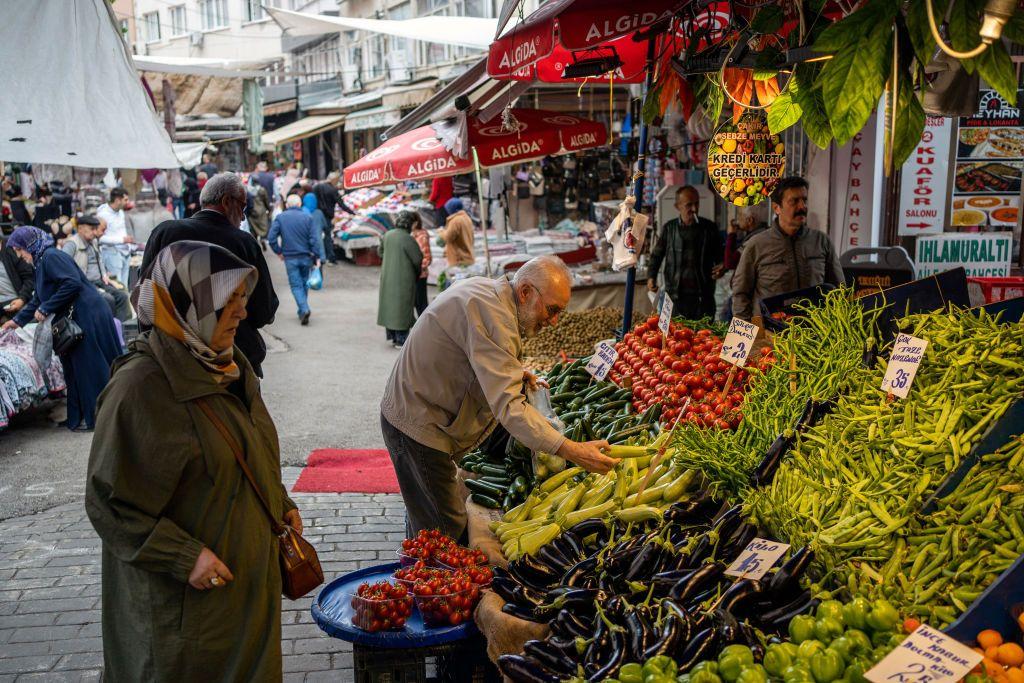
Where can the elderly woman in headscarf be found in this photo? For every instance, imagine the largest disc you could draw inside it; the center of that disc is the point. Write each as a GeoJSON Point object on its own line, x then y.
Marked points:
{"type": "Point", "coordinates": [63, 290]}
{"type": "Point", "coordinates": [403, 260]}
{"type": "Point", "coordinates": [191, 581]}
{"type": "Point", "coordinates": [457, 235]}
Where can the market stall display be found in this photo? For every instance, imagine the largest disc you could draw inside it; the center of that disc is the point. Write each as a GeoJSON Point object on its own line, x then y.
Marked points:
{"type": "Point", "coordinates": [573, 337]}
{"type": "Point", "coordinates": [23, 383]}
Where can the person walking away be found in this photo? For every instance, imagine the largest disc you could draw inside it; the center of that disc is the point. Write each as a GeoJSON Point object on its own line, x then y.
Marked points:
{"type": "Point", "coordinates": [294, 238]}
{"type": "Point", "coordinates": [179, 522]}
{"type": "Point", "coordinates": [264, 178]}
{"type": "Point", "coordinates": [223, 203]}
{"type": "Point", "coordinates": [689, 247]}
{"type": "Point", "coordinates": [17, 282]}
{"type": "Point", "coordinates": [423, 240]}
{"type": "Point", "coordinates": [175, 189]}
{"type": "Point", "coordinates": [467, 350]}
{"type": "Point", "coordinates": [291, 177]}
{"type": "Point", "coordinates": [208, 166]}
{"type": "Point", "coordinates": [61, 289]}
{"type": "Point", "coordinates": [83, 248]}
{"type": "Point", "coordinates": [399, 271]}
{"type": "Point", "coordinates": [749, 222]}
{"type": "Point", "coordinates": [311, 207]}
{"type": "Point", "coordinates": [457, 235]}
{"type": "Point", "coordinates": [441, 190]}
{"type": "Point", "coordinates": [259, 212]}
{"type": "Point", "coordinates": [327, 200]}
{"type": "Point", "coordinates": [786, 257]}
{"type": "Point", "coordinates": [190, 196]}
{"type": "Point", "coordinates": [116, 245]}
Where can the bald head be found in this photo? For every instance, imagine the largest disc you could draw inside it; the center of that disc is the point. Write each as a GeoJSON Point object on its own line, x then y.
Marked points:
{"type": "Point", "coordinates": [542, 289]}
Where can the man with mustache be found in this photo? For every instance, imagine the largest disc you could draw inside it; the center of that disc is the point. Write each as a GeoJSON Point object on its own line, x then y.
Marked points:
{"type": "Point", "coordinates": [786, 257]}
{"type": "Point", "coordinates": [459, 374]}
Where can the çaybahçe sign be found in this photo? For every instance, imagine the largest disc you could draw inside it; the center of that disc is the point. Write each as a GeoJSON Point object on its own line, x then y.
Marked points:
{"type": "Point", "coordinates": [745, 160]}
{"type": "Point", "coordinates": [980, 254]}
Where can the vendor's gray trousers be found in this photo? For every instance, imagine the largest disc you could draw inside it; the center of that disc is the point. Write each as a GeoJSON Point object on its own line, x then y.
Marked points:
{"type": "Point", "coordinates": [428, 482]}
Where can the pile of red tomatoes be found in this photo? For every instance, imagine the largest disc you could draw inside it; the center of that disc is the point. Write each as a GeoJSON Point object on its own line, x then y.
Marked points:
{"type": "Point", "coordinates": [686, 367]}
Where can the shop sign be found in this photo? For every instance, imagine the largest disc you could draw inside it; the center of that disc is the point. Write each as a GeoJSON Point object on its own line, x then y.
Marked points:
{"type": "Point", "coordinates": [980, 254]}
{"type": "Point", "coordinates": [855, 173]}
{"type": "Point", "coordinates": [738, 342]}
{"type": "Point", "coordinates": [907, 354]}
{"type": "Point", "coordinates": [757, 558]}
{"type": "Point", "coordinates": [926, 655]}
{"type": "Point", "coordinates": [924, 179]}
{"type": "Point", "coordinates": [602, 361]}
{"type": "Point", "coordinates": [745, 160]}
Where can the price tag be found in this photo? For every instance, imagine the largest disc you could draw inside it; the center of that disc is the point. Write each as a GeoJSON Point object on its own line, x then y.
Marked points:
{"type": "Point", "coordinates": [738, 342]}
{"type": "Point", "coordinates": [602, 361]}
{"type": "Point", "coordinates": [666, 315]}
{"type": "Point", "coordinates": [926, 656]}
{"type": "Point", "coordinates": [906, 356]}
{"type": "Point", "coordinates": [757, 558]}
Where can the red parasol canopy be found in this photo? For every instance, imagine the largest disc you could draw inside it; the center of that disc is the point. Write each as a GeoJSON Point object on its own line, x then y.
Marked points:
{"type": "Point", "coordinates": [574, 25]}
{"type": "Point", "coordinates": [419, 154]}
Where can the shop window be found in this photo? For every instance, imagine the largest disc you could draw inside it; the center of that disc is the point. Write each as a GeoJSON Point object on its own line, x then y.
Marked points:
{"type": "Point", "coordinates": [214, 13]}
{"type": "Point", "coordinates": [151, 26]}
{"type": "Point", "coordinates": [179, 26]}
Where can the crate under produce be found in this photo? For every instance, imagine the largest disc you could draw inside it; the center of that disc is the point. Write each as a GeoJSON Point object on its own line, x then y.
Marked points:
{"type": "Point", "coordinates": [933, 293]}
{"type": "Point", "coordinates": [998, 288]}
{"type": "Point", "coordinates": [784, 305]}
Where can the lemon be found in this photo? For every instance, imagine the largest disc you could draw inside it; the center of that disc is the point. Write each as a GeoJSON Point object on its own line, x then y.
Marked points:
{"type": "Point", "coordinates": [729, 146]}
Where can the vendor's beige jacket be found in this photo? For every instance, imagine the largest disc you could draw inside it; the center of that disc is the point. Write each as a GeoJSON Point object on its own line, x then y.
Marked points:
{"type": "Point", "coordinates": [460, 370]}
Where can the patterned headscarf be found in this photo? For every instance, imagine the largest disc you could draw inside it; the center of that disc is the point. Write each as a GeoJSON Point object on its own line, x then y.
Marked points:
{"type": "Point", "coordinates": [32, 240]}
{"type": "Point", "coordinates": [184, 296]}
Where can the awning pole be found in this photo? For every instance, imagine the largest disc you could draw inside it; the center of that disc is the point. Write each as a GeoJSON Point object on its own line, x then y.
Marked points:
{"type": "Point", "coordinates": [483, 209]}
{"type": "Point", "coordinates": [638, 190]}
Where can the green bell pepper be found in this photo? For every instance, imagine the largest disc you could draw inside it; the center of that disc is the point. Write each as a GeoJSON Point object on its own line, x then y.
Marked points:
{"type": "Point", "coordinates": [801, 628]}
{"type": "Point", "coordinates": [827, 629]}
{"type": "Point", "coordinates": [855, 670]}
{"type": "Point", "coordinates": [827, 666]}
{"type": "Point", "coordinates": [844, 646]}
{"type": "Point", "coordinates": [859, 640]}
{"type": "Point", "coordinates": [752, 673]}
{"type": "Point", "coordinates": [660, 664]}
{"type": "Point", "coordinates": [705, 675]}
{"type": "Point", "coordinates": [708, 665]}
{"type": "Point", "coordinates": [777, 659]}
{"type": "Point", "coordinates": [732, 659]}
{"type": "Point", "coordinates": [797, 674]}
{"type": "Point", "coordinates": [631, 673]}
{"type": "Point", "coordinates": [883, 616]}
{"type": "Point", "coordinates": [855, 613]}
{"type": "Point", "coordinates": [809, 648]}
{"type": "Point", "coordinates": [830, 608]}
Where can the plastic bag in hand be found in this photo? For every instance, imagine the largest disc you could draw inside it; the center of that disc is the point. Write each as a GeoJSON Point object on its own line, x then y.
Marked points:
{"type": "Point", "coordinates": [315, 279]}
{"type": "Point", "coordinates": [42, 343]}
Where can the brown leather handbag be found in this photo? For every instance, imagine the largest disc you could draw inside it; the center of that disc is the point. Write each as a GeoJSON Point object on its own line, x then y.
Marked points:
{"type": "Point", "coordinates": [300, 566]}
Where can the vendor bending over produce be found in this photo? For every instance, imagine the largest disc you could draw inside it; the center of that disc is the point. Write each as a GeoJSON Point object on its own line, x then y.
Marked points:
{"type": "Point", "coordinates": [458, 372]}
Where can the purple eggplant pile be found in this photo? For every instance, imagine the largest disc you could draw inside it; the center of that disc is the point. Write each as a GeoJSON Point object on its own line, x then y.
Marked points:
{"type": "Point", "coordinates": [614, 593]}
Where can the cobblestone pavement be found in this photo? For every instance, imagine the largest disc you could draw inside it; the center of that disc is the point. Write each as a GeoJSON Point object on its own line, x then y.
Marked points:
{"type": "Point", "coordinates": [50, 587]}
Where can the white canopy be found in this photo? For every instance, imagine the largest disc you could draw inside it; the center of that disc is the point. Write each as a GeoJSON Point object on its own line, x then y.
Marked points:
{"type": "Point", "coordinates": [190, 154]}
{"type": "Point", "coordinates": [81, 103]}
{"type": "Point", "coordinates": [465, 31]}
{"type": "Point", "coordinates": [198, 66]}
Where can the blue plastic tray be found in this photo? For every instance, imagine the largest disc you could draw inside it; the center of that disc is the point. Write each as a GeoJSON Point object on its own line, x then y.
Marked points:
{"type": "Point", "coordinates": [332, 612]}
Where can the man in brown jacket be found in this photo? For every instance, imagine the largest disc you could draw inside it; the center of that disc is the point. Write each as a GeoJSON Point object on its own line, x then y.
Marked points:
{"type": "Point", "coordinates": [458, 374]}
{"type": "Point", "coordinates": [457, 235]}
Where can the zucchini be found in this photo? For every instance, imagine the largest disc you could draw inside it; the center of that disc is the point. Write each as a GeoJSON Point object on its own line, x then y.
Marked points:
{"type": "Point", "coordinates": [488, 489]}
{"type": "Point", "coordinates": [624, 434]}
{"type": "Point", "coordinates": [519, 485]}
{"type": "Point", "coordinates": [493, 471]}
{"type": "Point", "coordinates": [485, 501]}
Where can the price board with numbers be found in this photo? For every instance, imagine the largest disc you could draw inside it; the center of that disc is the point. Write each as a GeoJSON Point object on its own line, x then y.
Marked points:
{"type": "Point", "coordinates": [665, 319]}
{"type": "Point", "coordinates": [926, 656]}
{"type": "Point", "coordinates": [907, 354]}
{"type": "Point", "coordinates": [757, 558]}
{"type": "Point", "coordinates": [602, 361]}
{"type": "Point", "coordinates": [738, 342]}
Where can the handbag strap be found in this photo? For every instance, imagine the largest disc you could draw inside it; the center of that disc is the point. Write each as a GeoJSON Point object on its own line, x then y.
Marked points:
{"type": "Point", "coordinates": [275, 526]}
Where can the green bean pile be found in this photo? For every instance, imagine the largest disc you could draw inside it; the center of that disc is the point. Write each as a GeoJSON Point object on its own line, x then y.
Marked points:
{"type": "Point", "coordinates": [852, 484]}
{"type": "Point", "coordinates": [950, 556]}
{"type": "Point", "coordinates": [828, 344]}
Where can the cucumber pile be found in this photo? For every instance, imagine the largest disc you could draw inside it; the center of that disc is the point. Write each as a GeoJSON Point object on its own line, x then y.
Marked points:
{"type": "Point", "coordinates": [505, 475]}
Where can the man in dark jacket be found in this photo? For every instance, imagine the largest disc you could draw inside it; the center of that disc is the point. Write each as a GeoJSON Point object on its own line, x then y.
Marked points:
{"type": "Point", "coordinates": [17, 282]}
{"type": "Point", "coordinates": [690, 247]}
{"type": "Point", "coordinates": [223, 203]}
{"type": "Point", "coordinates": [326, 194]}
{"type": "Point", "coordinates": [786, 257]}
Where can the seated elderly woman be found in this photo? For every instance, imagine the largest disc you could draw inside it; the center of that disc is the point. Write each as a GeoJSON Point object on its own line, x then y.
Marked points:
{"type": "Point", "coordinates": [191, 581]}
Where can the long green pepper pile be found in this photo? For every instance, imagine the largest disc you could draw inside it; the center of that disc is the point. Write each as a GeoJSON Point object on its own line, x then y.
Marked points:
{"type": "Point", "coordinates": [853, 483]}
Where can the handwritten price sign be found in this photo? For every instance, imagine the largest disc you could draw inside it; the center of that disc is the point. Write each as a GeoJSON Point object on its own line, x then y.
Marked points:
{"type": "Point", "coordinates": [926, 656]}
{"type": "Point", "coordinates": [666, 315]}
{"type": "Point", "coordinates": [602, 360]}
{"type": "Point", "coordinates": [738, 342]}
{"type": "Point", "coordinates": [757, 558]}
{"type": "Point", "coordinates": [906, 357]}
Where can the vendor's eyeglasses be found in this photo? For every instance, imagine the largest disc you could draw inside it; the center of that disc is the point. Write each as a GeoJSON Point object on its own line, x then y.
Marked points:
{"type": "Point", "coordinates": [552, 310]}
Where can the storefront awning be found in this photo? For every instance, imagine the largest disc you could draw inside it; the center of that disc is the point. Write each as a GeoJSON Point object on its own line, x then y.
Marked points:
{"type": "Point", "coordinates": [300, 130]}
{"type": "Point", "coordinates": [375, 117]}
{"type": "Point", "coordinates": [197, 66]}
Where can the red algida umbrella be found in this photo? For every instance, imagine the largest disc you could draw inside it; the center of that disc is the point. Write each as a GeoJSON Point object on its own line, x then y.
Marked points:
{"type": "Point", "coordinates": [521, 135]}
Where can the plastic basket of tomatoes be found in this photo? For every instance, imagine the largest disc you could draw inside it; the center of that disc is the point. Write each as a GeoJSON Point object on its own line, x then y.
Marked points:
{"type": "Point", "coordinates": [446, 601]}
{"type": "Point", "coordinates": [424, 547]}
{"type": "Point", "coordinates": [457, 557]}
{"type": "Point", "coordinates": [381, 606]}
{"type": "Point", "coordinates": [420, 571]}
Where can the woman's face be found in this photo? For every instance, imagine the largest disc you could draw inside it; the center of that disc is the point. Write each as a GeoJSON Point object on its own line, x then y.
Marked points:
{"type": "Point", "coordinates": [23, 255]}
{"type": "Point", "coordinates": [227, 324]}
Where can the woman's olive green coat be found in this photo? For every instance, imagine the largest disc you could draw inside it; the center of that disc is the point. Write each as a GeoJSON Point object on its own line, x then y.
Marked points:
{"type": "Point", "coordinates": [396, 303]}
{"type": "Point", "coordinates": [162, 484]}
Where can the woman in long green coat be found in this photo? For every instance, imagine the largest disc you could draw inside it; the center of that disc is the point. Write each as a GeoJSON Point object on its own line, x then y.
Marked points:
{"type": "Point", "coordinates": [191, 582]}
{"type": "Point", "coordinates": [397, 298]}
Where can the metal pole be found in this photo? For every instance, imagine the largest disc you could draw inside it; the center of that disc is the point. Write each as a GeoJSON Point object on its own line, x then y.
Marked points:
{"type": "Point", "coordinates": [638, 190]}
{"type": "Point", "coordinates": [483, 209]}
